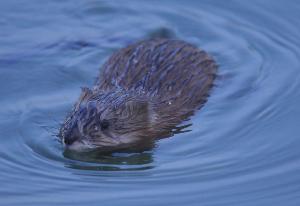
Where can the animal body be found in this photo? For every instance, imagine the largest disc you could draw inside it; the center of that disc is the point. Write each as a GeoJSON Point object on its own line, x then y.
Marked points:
{"type": "Point", "coordinates": [142, 93]}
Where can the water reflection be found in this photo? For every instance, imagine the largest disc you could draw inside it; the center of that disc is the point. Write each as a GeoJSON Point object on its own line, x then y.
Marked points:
{"type": "Point", "coordinates": [243, 148]}
{"type": "Point", "coordinates": [108, 162]}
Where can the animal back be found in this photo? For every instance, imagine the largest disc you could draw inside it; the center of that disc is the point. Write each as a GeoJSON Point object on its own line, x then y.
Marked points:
{"type": "Point", "coordinates": [173, 71]}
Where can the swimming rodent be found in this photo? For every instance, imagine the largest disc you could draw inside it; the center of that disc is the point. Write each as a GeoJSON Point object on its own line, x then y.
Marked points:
{"type": "Point", "coordinates": [142, 93]}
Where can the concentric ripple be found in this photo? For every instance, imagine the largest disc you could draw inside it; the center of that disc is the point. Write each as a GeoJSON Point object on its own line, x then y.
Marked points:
{"type": "Point", "coordinates": [243, 148]}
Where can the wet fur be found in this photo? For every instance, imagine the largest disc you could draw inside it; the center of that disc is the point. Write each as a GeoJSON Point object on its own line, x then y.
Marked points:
{"type": "Point", "coordinates": [143, 91]}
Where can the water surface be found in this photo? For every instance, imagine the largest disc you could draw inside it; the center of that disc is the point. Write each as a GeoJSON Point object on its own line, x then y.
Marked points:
{"type": "Point", "coordinates": [243, 148]}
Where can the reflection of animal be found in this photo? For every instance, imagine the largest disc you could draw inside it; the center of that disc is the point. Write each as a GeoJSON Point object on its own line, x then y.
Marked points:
{"type": "Point", "coordinates": [142, 93]}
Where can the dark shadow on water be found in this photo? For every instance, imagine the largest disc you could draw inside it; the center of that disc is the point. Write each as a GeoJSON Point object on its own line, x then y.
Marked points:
{"type": "Point", "coordinates": [108, 162]}
{"type": "Point", "coordinates": [162, 32]}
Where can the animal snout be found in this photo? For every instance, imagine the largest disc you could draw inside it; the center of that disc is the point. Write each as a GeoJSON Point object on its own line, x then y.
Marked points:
{"type": "Point", "coordinates": [72, 135]}
{"type": "Point", "coordinates": [70, 140]}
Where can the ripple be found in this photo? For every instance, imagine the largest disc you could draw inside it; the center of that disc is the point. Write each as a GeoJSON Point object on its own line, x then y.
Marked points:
{"type": "Point", "coordinates": [243, 145]}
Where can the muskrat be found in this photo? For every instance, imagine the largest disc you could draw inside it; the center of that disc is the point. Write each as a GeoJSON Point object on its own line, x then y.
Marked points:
{"type": "Point", "coordinates": [142, 93]}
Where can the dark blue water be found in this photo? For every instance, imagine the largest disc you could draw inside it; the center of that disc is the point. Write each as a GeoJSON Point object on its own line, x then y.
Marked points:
{"type": "Point", "coordinates": [244, 147]}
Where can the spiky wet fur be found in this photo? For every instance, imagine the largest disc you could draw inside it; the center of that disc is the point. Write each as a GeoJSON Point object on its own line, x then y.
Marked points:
{"type": "Point", "coordinates": [143, 92]}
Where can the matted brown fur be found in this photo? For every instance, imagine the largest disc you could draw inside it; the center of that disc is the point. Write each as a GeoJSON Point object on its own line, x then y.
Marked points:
{"type": "Point", "coordinates": [142, 93]}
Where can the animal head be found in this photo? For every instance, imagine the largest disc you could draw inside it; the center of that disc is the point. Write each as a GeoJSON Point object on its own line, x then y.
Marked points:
{"type": "Point", "coordinates": [106, 120]}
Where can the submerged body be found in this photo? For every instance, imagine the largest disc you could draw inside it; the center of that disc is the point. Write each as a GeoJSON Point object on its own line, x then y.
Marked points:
{"type": "Point", "coordinates": [142, 93]}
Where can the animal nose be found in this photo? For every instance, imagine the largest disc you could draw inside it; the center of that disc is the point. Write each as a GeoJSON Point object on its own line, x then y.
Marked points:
{"type": "Point", "coordinates": [70, 139]}
{"type": "Point", "coordinates": [72, 136]}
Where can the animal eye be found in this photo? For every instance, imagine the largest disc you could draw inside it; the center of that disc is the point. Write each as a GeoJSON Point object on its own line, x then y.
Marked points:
{"type": "Point", "coordinates": [104, 124]}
